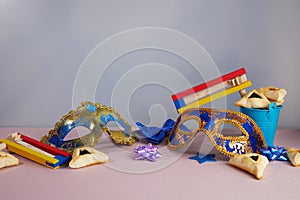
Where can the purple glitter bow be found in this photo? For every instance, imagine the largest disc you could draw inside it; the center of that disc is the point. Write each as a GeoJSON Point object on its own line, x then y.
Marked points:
{"type": "Point", "coordinates": [148, 152]}
{"type": "Point", "coordinates": [275, 153]}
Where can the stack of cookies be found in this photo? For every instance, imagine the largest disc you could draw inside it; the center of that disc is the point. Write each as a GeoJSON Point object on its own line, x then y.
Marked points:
{"type": "Point", "coordinates": [262, 97]}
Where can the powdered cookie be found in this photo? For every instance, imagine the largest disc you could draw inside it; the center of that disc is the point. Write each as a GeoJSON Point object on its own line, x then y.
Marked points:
{"type": "Point", "coordinates": [253, 163]}
{"type": "Point", "coordinates": [273, 93]}
{"type": "Point", "coordinates": [85, 156]}
{"type": "Point", "coordinates": [294, 156]}
{"type": "Point", "coordinates": [7, 160]}
{"type": "Point", "coordinates": [253, 99]}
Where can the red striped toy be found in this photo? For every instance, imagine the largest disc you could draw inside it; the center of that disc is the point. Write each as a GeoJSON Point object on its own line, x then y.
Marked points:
{"type": "Point", "coordinates": [211, 90]}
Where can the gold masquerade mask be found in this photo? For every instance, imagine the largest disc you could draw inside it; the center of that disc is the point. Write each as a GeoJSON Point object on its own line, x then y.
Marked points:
{"type": "Point", "coordinates": [209, 121]}
{"type": "Point", "coordinates": [94, 117]}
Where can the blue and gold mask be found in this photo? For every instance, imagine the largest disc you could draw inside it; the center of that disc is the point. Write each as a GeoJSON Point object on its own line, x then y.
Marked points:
{"type": "Point", "coordinates": [94, 117]}
{"type": "Point", "coordinates": [209, 121]}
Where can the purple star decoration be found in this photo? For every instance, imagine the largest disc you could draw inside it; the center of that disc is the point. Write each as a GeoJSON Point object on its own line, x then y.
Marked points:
{"type": "Point", "coordinates": [148, 152]}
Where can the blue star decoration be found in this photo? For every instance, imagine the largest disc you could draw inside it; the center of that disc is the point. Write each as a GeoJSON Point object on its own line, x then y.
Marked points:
{"type": "Point", "coordinates": [202, 158]}
{"type": "Point", "coordinates": [275, 153]}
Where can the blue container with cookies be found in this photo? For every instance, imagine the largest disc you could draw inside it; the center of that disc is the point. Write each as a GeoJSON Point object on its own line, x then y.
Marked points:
{"type": "Point", "coordinates": [266, 119]}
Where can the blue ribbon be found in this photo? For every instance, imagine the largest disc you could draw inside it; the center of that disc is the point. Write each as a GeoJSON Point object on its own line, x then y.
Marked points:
{"type": "Point", "coordinates": [154, 135]}
{"type": "Point", "coordinates": [275, 153]}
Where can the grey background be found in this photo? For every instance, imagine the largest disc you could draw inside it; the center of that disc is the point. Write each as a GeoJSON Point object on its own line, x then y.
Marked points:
{"type": "Point", "coordinates": [43, 44]}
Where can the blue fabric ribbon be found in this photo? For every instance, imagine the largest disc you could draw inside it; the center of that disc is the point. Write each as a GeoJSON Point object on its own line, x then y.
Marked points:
{"type": "Point", "coordinates": [275, 153]}
{"type": "Point", "coordinates": [154, 135]}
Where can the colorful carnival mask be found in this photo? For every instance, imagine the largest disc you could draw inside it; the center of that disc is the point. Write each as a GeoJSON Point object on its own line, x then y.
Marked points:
{"type": "Point", "coordinates": [93, 117]}
{"type": "Point", "coordinates": [209, 121]}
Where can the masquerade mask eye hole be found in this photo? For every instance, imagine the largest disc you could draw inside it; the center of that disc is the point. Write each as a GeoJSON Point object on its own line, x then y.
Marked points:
{"type": "Point", "coordinates": [77, 132]}
{"type": "Point", "coordinates": [190, 125]}
{"type": "Point", "coordinates": [227, 129]}
{"type": "Point", "coordinates": [114, 126]}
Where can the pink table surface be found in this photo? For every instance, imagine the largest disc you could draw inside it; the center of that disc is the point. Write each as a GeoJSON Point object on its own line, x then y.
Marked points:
{"type": "Point", "coordinates": [184, 179]}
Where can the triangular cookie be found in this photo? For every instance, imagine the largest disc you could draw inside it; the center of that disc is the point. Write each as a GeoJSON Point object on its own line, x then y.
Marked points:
{"type": "Point", "coordinates": [273, 93]}
{"type": "Point", "coordinates": [294, 156]}
{"type": "Point", "coordinates": [253, 99]}
{"type": "Point", "coordinates": [7, 160]}
{"type": "Point", "coordinates": [253, 163]}
{"type": "Point", "coordinates": [85, 156]}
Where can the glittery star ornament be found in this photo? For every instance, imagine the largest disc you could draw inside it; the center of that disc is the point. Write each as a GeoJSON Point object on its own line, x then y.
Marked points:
{"type": "Point", "coordinates": [202, 158]}
{"type": "Point", "coordinates": [147, 152]}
